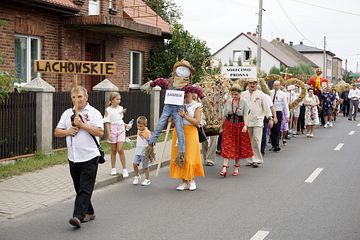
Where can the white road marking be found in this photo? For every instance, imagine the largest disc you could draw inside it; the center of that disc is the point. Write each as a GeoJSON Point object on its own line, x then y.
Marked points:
{"type": "Point", "coordinates": [260, 235]}
{"type": "Point", "coordinates": [351, 133]}
{"type": "Point", "coordinates": [358, 124]}
{"type": "Point", "coordinates": [339, 146]}
{"type": "Point", "coordinates": [314, 175]}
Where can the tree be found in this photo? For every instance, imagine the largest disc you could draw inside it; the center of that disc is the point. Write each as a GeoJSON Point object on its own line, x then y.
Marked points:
{"type": "Point", "coordinates": [274, 70]}
{"type": "Point", "coordinates": [166, 9]}
{"type": "Point", "coordinates": [6, 79]}
{"type": "Point", "coordinates": [181, 45]}
{"type": "Point", "coordinates": [347, 77]}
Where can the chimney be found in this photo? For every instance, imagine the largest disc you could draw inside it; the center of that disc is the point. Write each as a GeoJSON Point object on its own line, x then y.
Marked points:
{"type": "Point", "coordinates": [248, 33]}
{"type": "Point", "coordinates": [283, 40]}
{"type": "Point", "coordinates": [291, 43]}
{"type": "Point", "coordinates": [278, 39]}
{"type": "Point", "coordinates": [301, 43]}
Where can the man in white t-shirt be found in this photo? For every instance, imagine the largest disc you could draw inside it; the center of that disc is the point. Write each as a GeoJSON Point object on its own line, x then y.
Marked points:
{"type": "Point", "coordinates": [83, 153]}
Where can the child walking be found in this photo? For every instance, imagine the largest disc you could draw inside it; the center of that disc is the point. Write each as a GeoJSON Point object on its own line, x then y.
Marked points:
{"type": "Point", "coordinates": [141, 143]}
{"type": "Point", "coordinates": [115, 128]}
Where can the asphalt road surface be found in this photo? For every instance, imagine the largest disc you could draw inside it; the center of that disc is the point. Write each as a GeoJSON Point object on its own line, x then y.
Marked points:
{"type": "Point", "coordinates": [308, 191]}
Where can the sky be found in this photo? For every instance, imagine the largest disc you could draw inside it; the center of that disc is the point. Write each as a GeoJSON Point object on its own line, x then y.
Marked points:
{"type": "Point", "coordinates": [218, 22]}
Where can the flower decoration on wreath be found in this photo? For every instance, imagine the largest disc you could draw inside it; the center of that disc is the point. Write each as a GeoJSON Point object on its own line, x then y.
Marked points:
{"type": "Point", "coordinates": [296, 102]}
{"type": "Point", "coordinates": [275, 77]}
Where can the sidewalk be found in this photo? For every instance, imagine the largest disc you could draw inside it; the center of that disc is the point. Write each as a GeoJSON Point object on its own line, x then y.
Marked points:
{"type": "Point", "coordinates": [30, 191]}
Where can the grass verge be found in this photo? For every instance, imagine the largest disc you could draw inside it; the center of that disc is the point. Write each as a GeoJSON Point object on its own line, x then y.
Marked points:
{"type": "Point", "coordinates": [40, 160]}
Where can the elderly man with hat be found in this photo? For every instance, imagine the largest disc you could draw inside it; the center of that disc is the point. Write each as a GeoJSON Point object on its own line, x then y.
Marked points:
{"type": "Point", "coordinates": [259, 109]}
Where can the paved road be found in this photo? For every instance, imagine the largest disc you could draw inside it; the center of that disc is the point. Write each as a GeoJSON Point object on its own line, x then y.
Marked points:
{"type": "Point", "coordinates": [273, 202]}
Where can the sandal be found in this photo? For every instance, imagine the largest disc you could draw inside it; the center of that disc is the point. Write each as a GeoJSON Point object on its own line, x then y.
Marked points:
{"type": "Point", "coordinates": [224, 171]}
{"type": "Point", "coordinates": [236, 170]}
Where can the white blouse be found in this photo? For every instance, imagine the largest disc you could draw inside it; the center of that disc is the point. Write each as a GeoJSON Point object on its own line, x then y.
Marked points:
{"type": "Point", "coordinates": [115, 115]}
{"type": "Point", "coordinates": [190, 110]}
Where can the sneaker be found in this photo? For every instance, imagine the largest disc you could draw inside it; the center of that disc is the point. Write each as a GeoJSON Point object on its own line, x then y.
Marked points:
{"type": "Point", "coordinates": [146, 182]}
{"type": "Point", "coordinates": [182, 186]}
{"type": "Point", "coordinates": [326, 125]}
{"type": "Point", "coordinates": [113, 172]}
{"type": "Point", "coordinates": [136, 180]}
{"type": "Point", "coordinates": [125, 173]}
{"type": "Point", "coordinates": [88, 217]}
{"type": "Point", "coordinates": [192, 185]}
{"type": "Point", "coordinates": [331, 124]}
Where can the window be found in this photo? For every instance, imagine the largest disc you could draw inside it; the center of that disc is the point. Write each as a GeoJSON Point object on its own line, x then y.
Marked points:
{"type": "Point", "coordinates": [240, 56]}
{"type": "Point", "coordinates": [94, 7]}
{"type": "Point", "coordinates": [27, 50]}
{"type": "Point", "coordinates": [328, 64]}
{"type": "Point", "coordinates": [136, 69]}
{"type": "Point", "coordinates": [111, 4]}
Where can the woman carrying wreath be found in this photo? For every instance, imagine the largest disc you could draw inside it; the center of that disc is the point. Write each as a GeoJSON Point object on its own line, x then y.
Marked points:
{"type": "Point", "coordinates": [236, 143]}
{"type": "Point", "coordinates": [311, 103]}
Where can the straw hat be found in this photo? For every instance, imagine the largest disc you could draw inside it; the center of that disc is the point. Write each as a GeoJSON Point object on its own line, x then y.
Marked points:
{"type": "Point", "coordinates": [184, 63]}
{"type": "Point", "coordinates": [235, 88]}
{"type": "Point", "coordinates": [249, 80]}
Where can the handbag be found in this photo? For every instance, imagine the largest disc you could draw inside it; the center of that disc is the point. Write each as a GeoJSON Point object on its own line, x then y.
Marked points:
{"type": "Point", "coordinates": [101, 158]}
{"type": "Point", "coordinates": [202, 135]}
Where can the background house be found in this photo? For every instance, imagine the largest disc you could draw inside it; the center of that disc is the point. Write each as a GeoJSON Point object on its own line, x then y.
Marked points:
{"type": "Point", "coordinates": [292, 53]}
{"type": "Point", "coordinates": [317, 56]}
{"type": "Point", "coordinates": [337, 69]}
{"type": "Point", "coordinates": [121, 31]}
{"type": "Point", "coordinates": [243, 49]}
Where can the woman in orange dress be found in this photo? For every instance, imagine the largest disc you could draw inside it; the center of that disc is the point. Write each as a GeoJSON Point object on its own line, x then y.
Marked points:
{"type": "Point", "coordinates": [193, 166]}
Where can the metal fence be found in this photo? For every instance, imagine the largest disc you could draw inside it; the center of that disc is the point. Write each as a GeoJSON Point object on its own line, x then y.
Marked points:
{"type": "Point", "coordinates": [18, 125]}
{"type": "Point", "coordinates": [137, 104]}
{"type": "Point", "coordinates": [18, 118]}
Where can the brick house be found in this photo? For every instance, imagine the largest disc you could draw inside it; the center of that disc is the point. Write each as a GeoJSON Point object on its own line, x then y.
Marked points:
{"type": "Point", "coordinates": [121, 31]}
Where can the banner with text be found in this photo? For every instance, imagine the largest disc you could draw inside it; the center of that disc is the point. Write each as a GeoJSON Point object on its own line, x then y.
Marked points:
{"type": "Point", "coordinates": [239, 72]}
{"type": "Point", "coordinates": [75, 67]}
{"type": "Point", "coordinates": [174, 97]}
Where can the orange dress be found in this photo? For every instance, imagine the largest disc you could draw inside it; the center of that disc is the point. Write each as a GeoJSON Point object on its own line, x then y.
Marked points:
{"type": "Point", "coordinates": [193, 166]}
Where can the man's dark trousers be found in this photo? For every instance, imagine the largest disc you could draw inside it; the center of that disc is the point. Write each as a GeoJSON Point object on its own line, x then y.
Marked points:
{"type": "Point", "coordinates": [275, 131]}
{"type": "Point", "coordinates": [83, 175]}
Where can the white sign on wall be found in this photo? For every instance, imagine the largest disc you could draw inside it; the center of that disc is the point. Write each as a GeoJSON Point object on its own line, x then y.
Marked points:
{"type": "Point", "coordinates": [174, 97]}
{"type": "Point", "coordinates": [239, 72]}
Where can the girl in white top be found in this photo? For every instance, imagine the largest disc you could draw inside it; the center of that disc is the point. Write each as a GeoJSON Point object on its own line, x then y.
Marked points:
{"type": "Point", "coordinates": [115, 128]}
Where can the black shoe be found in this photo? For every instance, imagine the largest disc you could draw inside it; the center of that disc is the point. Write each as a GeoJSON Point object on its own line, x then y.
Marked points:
{"type": "Point", "coordinates": [255, 165]}
{"type": "Point", "coordinates": [75, 222]}
{"type": "Point", "coordinates": [249, 164]}
{"type": "Point", "coordinates": [277, 149]}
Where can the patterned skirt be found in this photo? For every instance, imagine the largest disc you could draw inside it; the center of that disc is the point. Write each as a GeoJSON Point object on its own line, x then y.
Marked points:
{"type": "Point", "coordinates": [235, 144]}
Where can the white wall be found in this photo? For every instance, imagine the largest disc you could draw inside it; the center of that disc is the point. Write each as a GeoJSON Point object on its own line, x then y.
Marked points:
{"type": "Point", "coordinates": [244, 43]}
{"type": "Point", "coordinates": [318, 58]}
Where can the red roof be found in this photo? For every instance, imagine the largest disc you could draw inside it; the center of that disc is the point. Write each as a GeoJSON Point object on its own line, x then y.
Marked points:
{"type": "Point", "coordinates": [139, 12]}
{"type": "Point", "coordinates": [62, 3]}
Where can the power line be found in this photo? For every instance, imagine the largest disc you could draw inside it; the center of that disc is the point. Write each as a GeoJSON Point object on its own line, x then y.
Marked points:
{"type": "Point", "coordinates": [327, 8]}
{"type": "Point", "coordinates": [292, 23]}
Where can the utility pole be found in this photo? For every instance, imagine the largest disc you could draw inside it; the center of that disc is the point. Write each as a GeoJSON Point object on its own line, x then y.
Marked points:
{"type": "Point", "coordinates": [324, 63]}
{"type": "Point", "coordinates": [259, 36]}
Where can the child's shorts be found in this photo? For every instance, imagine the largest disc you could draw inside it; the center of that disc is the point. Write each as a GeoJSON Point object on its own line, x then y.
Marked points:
{"type": "Point", "coordinates": [117, 133]}
{"type": "Point", "coordinates": [139, 158]}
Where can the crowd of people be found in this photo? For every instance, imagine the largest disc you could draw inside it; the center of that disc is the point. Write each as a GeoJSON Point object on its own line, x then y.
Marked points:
{"type": "Point", "coordinates": [250, 118]}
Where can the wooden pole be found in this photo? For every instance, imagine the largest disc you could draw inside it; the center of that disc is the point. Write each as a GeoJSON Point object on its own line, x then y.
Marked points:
{"type": "Point", "coordinates": [163, 150]}
{"type": "Point", "coordinates": [76, 104]}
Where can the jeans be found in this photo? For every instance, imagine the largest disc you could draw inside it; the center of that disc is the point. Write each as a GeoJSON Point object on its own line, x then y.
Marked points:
{"type": "Point", "coordinates": [171, 110]}
{"type": "Point", "coordinates": [83, 175]}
